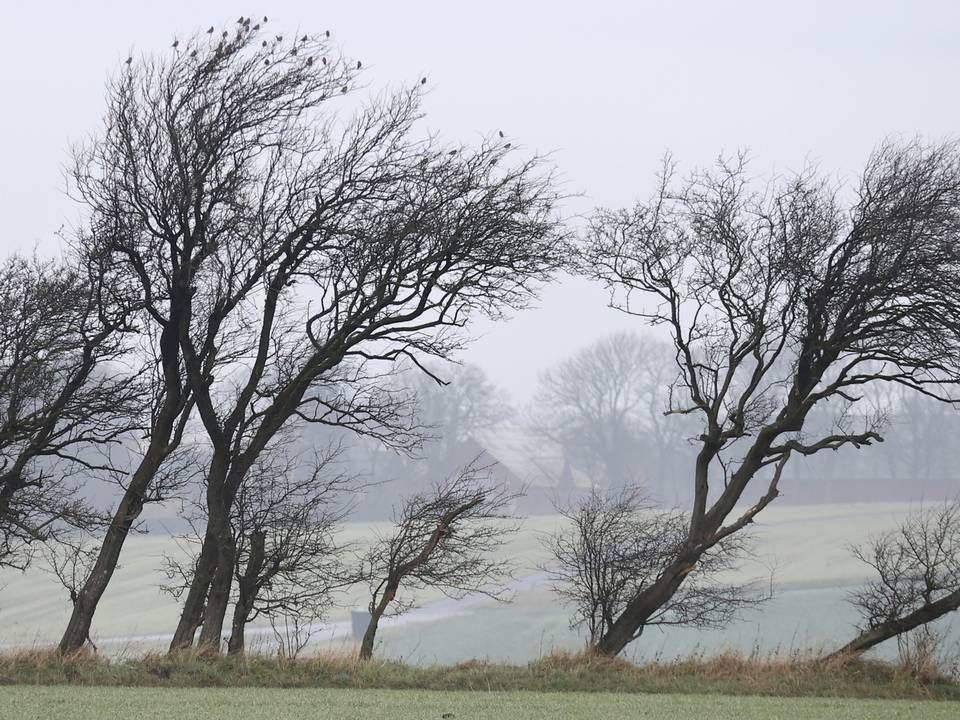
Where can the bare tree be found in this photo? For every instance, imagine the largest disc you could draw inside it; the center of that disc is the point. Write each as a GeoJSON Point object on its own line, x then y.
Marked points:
{"type": "Point", "coordinates": [306, 251]}
{"type": "Point", "coordinates": [284, 523]}
{"type": "Point", "coordinates": [615, 545]}
{"type": "Point", "coordinates": [605, 405]}
{"type": "Point", "coordinates": [65, 399]}
{"type": "Point", "coordinates": [289, 561]}
{"type": "Point", "coordinates": [446, 539]}
{"type": "Point", "coordinates": [781, 304]}
{"type": "Point", "coordinates": [918, 578]}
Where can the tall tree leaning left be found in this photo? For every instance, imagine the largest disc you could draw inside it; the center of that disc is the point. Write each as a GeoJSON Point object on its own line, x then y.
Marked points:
{"type": "Point", "coordinates": [311, 242]}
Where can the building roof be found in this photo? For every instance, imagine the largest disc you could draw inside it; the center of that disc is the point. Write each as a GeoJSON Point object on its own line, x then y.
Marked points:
{"type": "Point", "coordinates": [534, 459]}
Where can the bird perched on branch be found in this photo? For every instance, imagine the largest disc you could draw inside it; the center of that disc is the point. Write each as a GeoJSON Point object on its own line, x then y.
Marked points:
{"type": "Point", "coordinates": [359, 64]}
{"type": "Point", "coordinates": [129, 60]}
{"type": "Point", "coordinates": [210, 31]}
{"type": "Point", "coordinates": [175, 44]}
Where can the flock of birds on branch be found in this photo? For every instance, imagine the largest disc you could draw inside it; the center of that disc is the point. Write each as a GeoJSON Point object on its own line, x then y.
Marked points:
{"type": "Point", "coordinates": [247, 26]}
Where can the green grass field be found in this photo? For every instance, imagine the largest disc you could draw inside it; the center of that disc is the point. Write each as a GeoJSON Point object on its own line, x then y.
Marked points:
{"type": "Point", "coordinates": [77, 703]}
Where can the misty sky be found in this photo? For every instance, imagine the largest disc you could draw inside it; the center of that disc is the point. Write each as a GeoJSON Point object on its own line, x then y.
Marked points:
{"type": "Point", "coordinates": [607, 87]}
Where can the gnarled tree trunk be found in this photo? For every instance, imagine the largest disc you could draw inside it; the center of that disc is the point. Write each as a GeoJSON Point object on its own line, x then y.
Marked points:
{"type": "Point", "coordinates": [247, 594]}
{"type": "Point", "coordinates": [891, 628]}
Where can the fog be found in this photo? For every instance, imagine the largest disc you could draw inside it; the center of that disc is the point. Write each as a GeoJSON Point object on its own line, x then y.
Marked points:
{"type": "Point", "coordinates": [606, 87]}
{"type": "Point", "coordinates": [603, 90]}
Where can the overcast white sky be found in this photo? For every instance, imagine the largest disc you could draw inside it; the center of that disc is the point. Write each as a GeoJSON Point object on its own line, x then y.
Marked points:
{"type": "Point", "coordinates": [607, 86]}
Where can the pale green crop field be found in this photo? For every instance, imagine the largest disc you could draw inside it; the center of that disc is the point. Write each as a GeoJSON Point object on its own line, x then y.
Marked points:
{"type": "Point", "coordinates": [805, 548]}
{"type": "Point", "coordinates": [80, 703]}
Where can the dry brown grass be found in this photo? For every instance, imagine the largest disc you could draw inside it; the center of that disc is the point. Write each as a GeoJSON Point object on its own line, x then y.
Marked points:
{"type": "Point", "coordinates": [731, 673]}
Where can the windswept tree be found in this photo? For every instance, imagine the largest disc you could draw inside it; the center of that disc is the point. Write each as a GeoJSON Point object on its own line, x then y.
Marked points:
{"type": "Point", "coordinates": [307, 249]}
{"type": "Point", "coordinates": [615, 544]}
{"type": "Point", "coordinates": [66, 399]}
{"type": "Point", "coordinates": [289, 562]}
{"type": "Point", "coordinates": [917, 581]}
{"type": "Point", "coordinates": [446, 539]}
{"type": "Point", "coordinates": [782, 305]}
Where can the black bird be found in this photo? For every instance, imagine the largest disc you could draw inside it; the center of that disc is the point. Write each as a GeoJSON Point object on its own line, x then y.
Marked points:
{"type": "Point", "coordinates": [309, 61]}
{"type": "Point", "coordinates": [328, 33]}
{"type": "Point", "coordinates": [193, 54]}
{"type": "Point", "coordinates": [507, 146]}
{"type": "Point", "coordinates": [256, 27]}
{"type": "Point", "coordinates": [175, 43]}
{"type": "Point", "coordinates": [129, 60]}
{"type": "Point", "coordinates": [324, 61]}
{"type": "Point", "coordinates": [240, 20]}
{"type": "Point", "coordinates": [293, 51]}
{"type": "Point", "coordinates": [279, 38]}
{"type": "Point", "coordinates": [264, 18]}
{"type": "Point", "coordinates": [266, 62]}
{"type": "Point", "coordinates": [423, 81]}
{"type": "Point", "coordinates": [304, 38]}
{"type": "Point", "coordinates": [210, 31]}
{"type": "Point", "coordinates": [359, 64]}
{"type": "Point", "coordinates": [501, 133]}
{"type": "Point", "coordinates": [264, 43]}
{"type": "Point", "coordinates": [452, 152]}
{"type": "Point", "coordinates": [343, 89]}
{"type": "Point", "coordinates": [225, 33]}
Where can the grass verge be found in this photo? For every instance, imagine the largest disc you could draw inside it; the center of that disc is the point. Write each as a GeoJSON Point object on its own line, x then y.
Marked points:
{"type": "Point", "coordinates": [728, 674]}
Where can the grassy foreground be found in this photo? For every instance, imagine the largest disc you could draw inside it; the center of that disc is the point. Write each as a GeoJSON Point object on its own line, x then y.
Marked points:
{"type": "Point", "coordinates": [723, 675]}
{"type": "Point", "coordinates": [84, 703]}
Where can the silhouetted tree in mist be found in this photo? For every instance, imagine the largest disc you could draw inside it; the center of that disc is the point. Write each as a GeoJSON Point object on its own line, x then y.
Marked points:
{"type": "Point", "coordinates": [448, 539]}
{"type": "Point", "coordinates": [782, 303]}
{"type": "Point", "coordinates": [297, 253]}
{"type": "Point", "coordinates": [917, 569]}
{"type": "Point", "coordinates": [67, 400]}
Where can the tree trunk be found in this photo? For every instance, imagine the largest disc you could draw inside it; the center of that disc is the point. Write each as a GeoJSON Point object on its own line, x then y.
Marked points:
{"type": "Point", "coordinates": [370, 635]}
{"type": "Point", "coordinates": [248, 586]}
{"type": "Point", "coordinates": [890, 629]}
{"type": "Point", "coordinates": [192, 614]}
{"type": "Point", "coordinates": [131, 505]}
{"type": "Point", "coordinates": [632, 621]}
{"type": "Point", "coordinates": [376, 612]}
{"type": "Point", "coordinates": [218, 598]}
